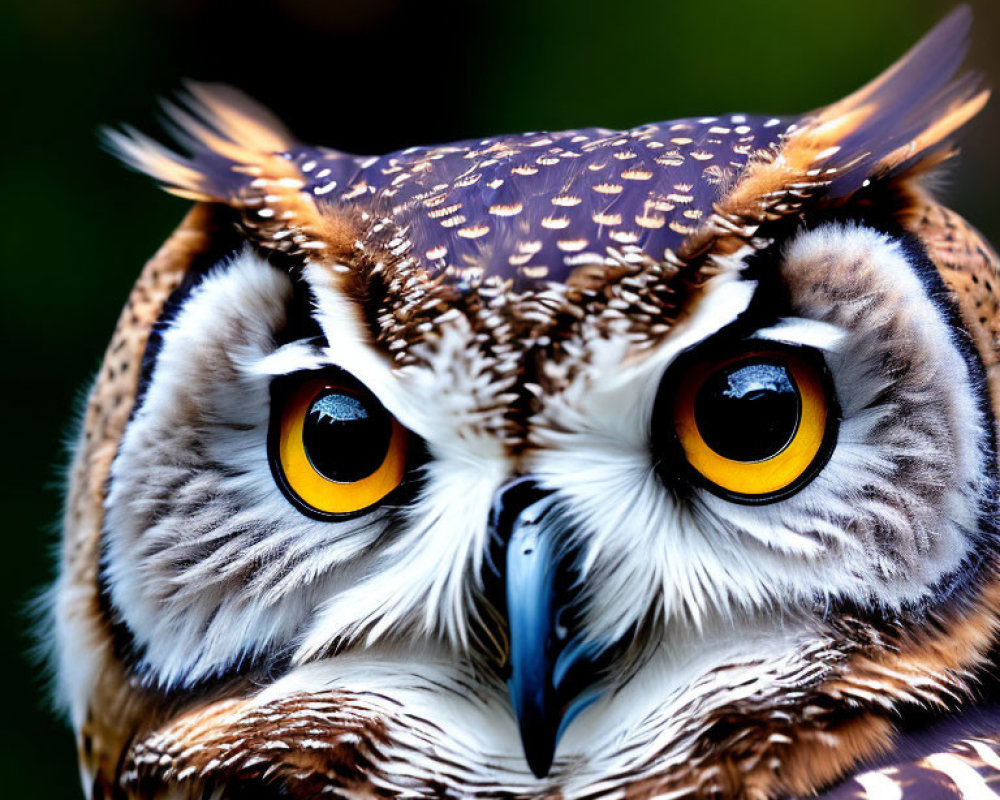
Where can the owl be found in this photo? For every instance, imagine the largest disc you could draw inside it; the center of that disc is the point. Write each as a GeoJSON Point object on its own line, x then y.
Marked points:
{"type": "Point", "coordinates": [592, 464]}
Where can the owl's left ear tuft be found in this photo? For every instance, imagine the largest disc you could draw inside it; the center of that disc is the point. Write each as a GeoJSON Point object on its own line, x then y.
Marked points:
{"type": "Point", "coordinates": [901, 122]}
{"type": "Point", "coordinates": [904, 120]}
{"type": "Point", "coordinates": [895, 128]}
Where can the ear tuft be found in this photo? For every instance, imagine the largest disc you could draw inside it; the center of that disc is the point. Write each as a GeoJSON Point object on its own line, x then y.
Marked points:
{"type": "Point", "coordinates": [228, 135]}
{"type": "Point", "coordinates": [242, 156]}
{"type": "Point", "coordinates": [899, 125]}
{"type": "Point", "coordinates": [903, 118]}
{"type": "Point", "coordinates": [909, 113]}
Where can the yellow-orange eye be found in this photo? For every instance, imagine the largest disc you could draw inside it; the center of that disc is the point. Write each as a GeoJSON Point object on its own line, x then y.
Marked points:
{"type": "Point", "coordinates": [335, 449]}
{"type": "Point", "coordinates": [756, 426]}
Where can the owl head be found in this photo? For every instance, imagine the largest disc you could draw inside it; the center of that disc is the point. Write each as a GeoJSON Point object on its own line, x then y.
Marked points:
{"type": "Point", "coordinates": [581, 464]}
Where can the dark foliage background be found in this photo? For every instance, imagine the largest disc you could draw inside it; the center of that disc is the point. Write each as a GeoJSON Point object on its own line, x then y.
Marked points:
{"type": "Point", "coordinates": [361, 75]}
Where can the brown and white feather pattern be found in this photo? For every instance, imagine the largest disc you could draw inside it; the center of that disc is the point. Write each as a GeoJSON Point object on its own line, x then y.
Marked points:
{"type": "Point", "coordinates": [515, 301]}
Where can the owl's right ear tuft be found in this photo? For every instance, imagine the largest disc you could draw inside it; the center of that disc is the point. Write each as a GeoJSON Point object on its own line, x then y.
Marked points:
{"type": "Point", "coordinates": [239, 155]}
{"type": "Point", "coordinates": [230, 137]}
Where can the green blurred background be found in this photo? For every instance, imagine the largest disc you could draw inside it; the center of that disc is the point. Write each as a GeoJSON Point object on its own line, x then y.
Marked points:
{"type": "Point", "coordinates": [360, 75]}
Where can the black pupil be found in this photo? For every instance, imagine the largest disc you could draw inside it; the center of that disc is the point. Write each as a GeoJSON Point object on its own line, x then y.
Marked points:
{"type": "Point", "coordinates": [346, 436]}
{"type": "Point", "coordinates": [749, 411]}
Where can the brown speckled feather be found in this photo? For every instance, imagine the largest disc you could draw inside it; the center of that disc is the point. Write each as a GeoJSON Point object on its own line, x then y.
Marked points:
{"type": "Point", "coordinates": [968, 265]}
{"type": "Point", "coordinates": [626, 225]}
{"type": "Point", "coordinates": [116, 707]}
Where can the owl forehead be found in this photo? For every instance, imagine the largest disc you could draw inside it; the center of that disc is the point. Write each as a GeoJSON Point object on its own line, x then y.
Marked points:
{"type": "Point", "coordinates": [530, 209]}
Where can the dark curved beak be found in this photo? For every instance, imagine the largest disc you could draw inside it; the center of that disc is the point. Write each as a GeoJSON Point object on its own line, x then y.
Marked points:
{"type": "Point", "coordinates": [552, 669]}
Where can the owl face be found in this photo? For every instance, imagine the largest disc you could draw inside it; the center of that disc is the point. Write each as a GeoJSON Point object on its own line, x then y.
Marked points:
{"type": "Point", "coordinates": [242, 529]}
{"type": "Point", "coordinates": [554, 463]}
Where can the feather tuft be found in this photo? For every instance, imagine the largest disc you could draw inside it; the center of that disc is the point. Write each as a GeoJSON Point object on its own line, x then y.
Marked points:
{"type": "Point", "coordinates": [899, 125]}
{"type": "Point", "coordinates": [239, 155]}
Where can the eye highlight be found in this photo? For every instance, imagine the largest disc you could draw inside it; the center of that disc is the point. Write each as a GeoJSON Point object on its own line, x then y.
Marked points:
{"type": "Point", "coordinates": [755, 426]}
{"type": "Point", "coordinates": [334, 448]}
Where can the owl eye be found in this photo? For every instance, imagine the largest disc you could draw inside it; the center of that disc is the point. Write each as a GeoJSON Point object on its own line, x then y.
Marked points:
{"type": "Point", "coordinates": [334, 448]}
{"type": "Point", "coordinates": [755, 426]}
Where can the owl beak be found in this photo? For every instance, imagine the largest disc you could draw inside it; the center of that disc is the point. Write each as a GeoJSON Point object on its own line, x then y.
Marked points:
{"type": "Point", "coordinates": [551, 669]}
